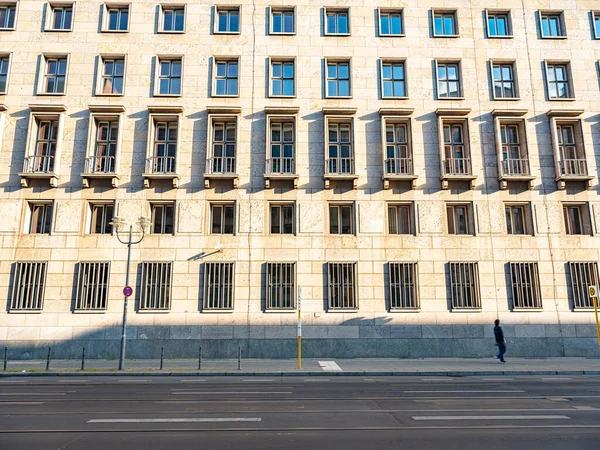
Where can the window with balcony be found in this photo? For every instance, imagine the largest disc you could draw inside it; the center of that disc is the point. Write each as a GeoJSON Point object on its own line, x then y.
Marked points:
{"type": "Point", "coordinates": [338, 79]}
{"type": "Point", "coordinates": [169, 76]}
{"type": "Point", "coordinates": [525, 285]}
{"type": "Point", "coordinates": [582, 275]}
{"type": "Point", "coordinates": [226, 78]}
{"type": "Point", "coordinates": [393, 79]}
{"type": "Point", "coordinates": [164, 139]}
{"type": "Point", "coordinates": [105, 146]}
{"type": "Point", "coordinates": [337, 21]}
{"type": "Point", "coordinates": [92, 286]}
{"type": "Point", "coordinates": [342, 285]}
{"type": "Point", "coordinates": [116, 18]}
{"type": "Point", "coordinates": [227, 20]}
{"type": "Point", "coordinates": [552, 25]}
{"type": "Point", "coordinates": [218, 286]}
{"type": "Point", "coordinates": [155, 286]}
{"type": "Point", "coordinates": [101, 217]}
{"type": "Point", "coordinates": [400, 218]}
{"type": "Point", "coordinates": [513, 155]}
{"type": "Point", "coordinates": [398, 160]}
{"type": "Point", "coordinates": [391, 22]}
{"type": "Point", "coordinates": [172, 19]}
{"type": "Point", "coordinates": [60, 17]}
{"type": "Point", "coordinates": [558, 79]}
{"type": "Point", "coordinates": [282, 218]}
{"type": "Point", "coordinates": [44, 155]}
{"type": "Point", "coordinates": [341, 219]}
{"type": "Point", "coordinates": [403, 285]}
{"type": "Point", "coordinates": [165, 147]}
{"type": "Point", "coordinates": [571, 151]}
{"type": "Point", "coordinates": [503, 80]}
{"type": "Point", "coordinates": [224, 144]}
{"type": "Point", "coordinates": [464, 285]}
{"type": "Point", "coordinates": [282, 140]}
{"type": "Point", "coordinates": [40, 217]}
{"type": "Point", "coordinates": [112, 77]}
{"type": "Point", "coordinates": [163, 218]}
{"type": "Point", "coordinates": [340, 154]}
{"type": "Point", "coordinates": [222, 217]}
{"type": "Point", "coordinates": [518, 219]}
{"type": "Point", "coordinates": [445, 24]}
{"type": "Point", "coordinates": [456, 157]}
{"type": "Point", "coordinates": [283, 20]}
{"type": "Point", "coordinates": [8, 16]}
{"type": "Point", "coordinates": [498, 24]}
{"type": "Point", "coordinates": [28, 286]}
{"type": "Point", "coordinates": [449, 84]}
{"type": "Point", "coordinates": [460, 219]}
{"type": "Point", "coordinates": [577, 219]}
{"type": "Point", "coordinates": [4, 72]}
{"type": "Point", "coordinates": [55, 75]}
{"type": "Point", "coordinates": [280, 285]}
{"type": "Point", "coordinates": [283, 78]}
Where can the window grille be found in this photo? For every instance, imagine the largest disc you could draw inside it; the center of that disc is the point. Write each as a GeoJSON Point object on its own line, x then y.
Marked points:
{"type": "Point", "coordinates": [525, 284]}
{"type": "Point", "coordinates": [156, 286]}
{"type": "Point", "coordinates": [29, 283]}
{"type": "Point", "coordinates": [342, 286]}
{"type": "Point", "coordinates": [92, 286]}
{"type": "Point", "coordinates": [218, 285]}
{"type": "Point", "coordinates": [403, 286]}
{"type": "Point", "coordinates": [464, 285]}
{"type": "Point", "coordinates": [281, 285]}
{"type": "Point", "coordinates": [583, 275]}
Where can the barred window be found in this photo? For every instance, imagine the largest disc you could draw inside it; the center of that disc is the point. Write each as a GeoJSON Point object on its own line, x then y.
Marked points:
{"type": "Point", "coordinates": [525, 284]}
{"type": "Point", "coordinates": [92, 286]}
{"type": "Point", "coordinates": [341, 280]}
{"type": "Point", "coordinates": [29, 283]}
{"type": "Point", "coordinates": [41, 218]}
{"type": "Point", "coordinates": [156, 285]}
{"type": "Point", "coordinates": [583, 275]}
{"type": "Point", "coordinates": [403, 286]}
{"type": "Point", "coordinates": [280, 285]}
{"type": "Point", "coordinates": [218, 285]}
{"type": "Point", "coordinates": [464, 285]}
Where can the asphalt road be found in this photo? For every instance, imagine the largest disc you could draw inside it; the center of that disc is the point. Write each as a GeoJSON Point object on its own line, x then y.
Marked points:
{"type": "Point", "coordinates": [507, 412]}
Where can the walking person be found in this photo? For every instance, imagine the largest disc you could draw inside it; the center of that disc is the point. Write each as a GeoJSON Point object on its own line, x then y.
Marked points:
{"type": "Point", "coordinates": [500, 341]}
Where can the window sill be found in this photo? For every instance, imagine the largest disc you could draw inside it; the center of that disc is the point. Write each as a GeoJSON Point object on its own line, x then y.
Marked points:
{"type": "Point", "coordinates": [216, 311]}
{"type": "Point", "coordinates": [152, 311]}
{"type": "Point", "coordinates": [342, 310]}
{"type": "Point", "coordinates": [50, 94]}
{"type": "Point", "coordinates": [280, 311]}
{"type": "Point", "coordinates": [501, 37]}
{"type": "Point", "coordinates": [392, 35]}
{"type": "Point", "coordinates": [293, 33]}
{"type": "Point", "coordinates": [225, 96]}
{"type": "Point", "coordinates": [7, 29]}
{"type": "Point", "coordinates": [394, 98]}
{"type": "Point", "coordinates": [227, 33]}
{"type": "Point", "coordinates": [282, 96]}
{"type": "Point", "coordinates": [171, 32]}
{"type": "Point", "coordinates": [404, 310]}
{"type": "Point", "coordinates": [560, 38]}
{"type": "Point", "coordinates": [89, 311]}
{"type": "Point", "coordinates": [540, 309]}
{"type": "Point", "coordinates": [467, 310]}
{"type": "Point", "coordinates": [570, 99]}
{"type": "Point", "coordinates": [337, 34]}
{"type": "Point", "coordinates": [445, 99]}
{"type": "Point", "coordinates": [57, 30]}
{"type": "Point", "coordinates": [506, 99]}
{"type": "Point", "coordinates": [109, 95]}
{"type": "Point", "coordinates": [115, 31]}
{"type": "Point", "coordinates": [167, 95]}
{"type": "Point", "coordinates": [25, 311]}
{"type": "Point", "coordinates": [450, 36]}
{"type": "Point", "coordinates": [338, 97]}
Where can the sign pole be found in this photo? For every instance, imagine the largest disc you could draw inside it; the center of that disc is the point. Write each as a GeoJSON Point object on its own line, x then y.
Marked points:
{"type": "Point", "coordinates": [594, 295]}
{"type": "Point", "coordinates": [299, 328]}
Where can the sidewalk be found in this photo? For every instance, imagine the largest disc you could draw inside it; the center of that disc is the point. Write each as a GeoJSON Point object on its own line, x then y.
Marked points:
{"type": "Point", "coordinates": [312, 367]}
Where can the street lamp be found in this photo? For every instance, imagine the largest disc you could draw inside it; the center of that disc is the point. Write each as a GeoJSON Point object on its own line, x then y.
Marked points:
{"type": "Point", "coordinates": [118, 223]}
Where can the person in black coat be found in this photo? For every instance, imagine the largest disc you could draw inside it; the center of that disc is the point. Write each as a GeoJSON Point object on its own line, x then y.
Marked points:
{"type": "Point", "coordinates": [500, 341]}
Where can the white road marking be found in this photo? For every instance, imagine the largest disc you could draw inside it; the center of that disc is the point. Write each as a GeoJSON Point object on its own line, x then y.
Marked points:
{"type": "Point", "coordinates": [464, 392]}
{"type": "Point", "coordinates": [490, 417]}
{"type": "Point", "coordinates": [134, 381]}
{"type": "Point", "coordinates": [21, 403]}
{"type": "Point", "coordinates": [179, 420]}
{"type": "Point", "coordinates": [13, 381]}
{"type": "Point", "coordinates": [33, 393]}
{"type": "Point", "coordinates": [330, 366]}
{"type": "Point", "coordinates": [230, 392]}
{"type": "Point", "coordinates": [556, 379]}
{"type": "Point", "coordinates": [437, 379]}
{"type": "Point", "coordinates": [257, 381]}
{"type": "Point", "coordinates": [72, 381]}
{"type": "Point", "coordinates": [315, 380]}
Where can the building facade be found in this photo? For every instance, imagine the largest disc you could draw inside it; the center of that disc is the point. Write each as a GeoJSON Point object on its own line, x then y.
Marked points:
{"type": "Point", "coordinates": [412, 169]}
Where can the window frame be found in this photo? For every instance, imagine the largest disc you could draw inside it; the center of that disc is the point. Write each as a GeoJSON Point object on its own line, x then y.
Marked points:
{"type": "Point", "coordinates": [102, 58]}
{"type": "Point", "coordinates": [411, 218]}
{"type": "Point", "coordinates": [8, 56]}
{"type": "Point", "coordinates": [339, 120]}
{"type": "Point", "coordinates": [159, 59]}
{"type": "Point", "coordinates": [396, 277]}
{"type": "Point", "coordinates": [527, 218]}
{"type": "Point", "coordinates": [148, 305]}
{"type": "Point", "coordinates": [153, 207]}
{"type": "Point", "coordinates": [559, 159]}
{"type": "Point", "coordinates": [221, 265]}
{"type": "Point", "coordinates": [97, 118]}
{"type": "Point", "coordinates": [222, 204]}
{"type": "Point", "coordinates": [164, 7]}
{"type": "Point", "coordinates": [561, 21]}
{"type": "Point", "coordinates": [100, 269]}
{"type": "Point", "coordinates": [579, 298]}
{"type": "Point", "coordinates": [595, 26]}
{"type": "Point", "coordinates": [444, 62]}
{"type": "Point", "coordinates": [217, 9]}
{"type": "Point", "coordinates": [584, 217]}
{"type": "Point", "coordinates": [444, 121]}
{"type": "Point", "coordinates": [569, 82]}
{"type": "Point", "coordinates": [451, 229]}
{"type": "Point", "coordinates": [354, 300]}
{"type": "Point", "coordinates": [49, 17]}
{"type": "Point", "coordinates": [337, 61]}
{"type": "Point", "coordinates": [220, 59]}
{"type": "Point", "coordinates": [290, 268]}
{"type": "Point", "coordinates": [280, 60]}
{"type": "Point", "coordinates": [499, 12]}
{"type": "Point", "coordinates": [281, 205]}
{"type": "Point", "coordinates": [523, 282]}
{"type": "Point", "coordinates": [445, 12]}
{"type": "Point", "coordinates": [395, 121]}
{"type": "Point", "coordinates": [281, 119]}
{"type": "Point", "coordinates": [17, 284]}
{"type": "Point", "coordinates": [42, 77]}
{"type": "Point", "coordinates": [382, 11]}
{"type": "Point", "coordinates": [282, 9]}
{"type": "Point", "coordinates": [515, 79]}
{"type": "Point", "coordinates": [7, 4]}
{"type": "Point", "coordinates": [475, 286]}
{"type": "Point", "coordinates": [336, 9]}
{"type": "Point", "coordinates": [106, 8]}
{"type": "Point", "coordinates": [212, 120]}
{"type": "Point", "coordinates": [30, 216]}
{"type": "Point", "coordinates": [91, 221]}
{"type": "Point", "coordinates": [524, 161]}
{"type": "Point", "coordinates": [339, 206]}
{"type": "Point", "coordinates": [155, 118]}
{"type": "Point", "coordinates": [393, 61]}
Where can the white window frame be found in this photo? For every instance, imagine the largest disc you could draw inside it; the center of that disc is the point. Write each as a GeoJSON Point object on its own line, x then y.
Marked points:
{"type": "Point", "coordinates": [393, 61]}
{"type": "Point", "coordinates": [49, 19]}
{"type": "Point", "coordinates": [89, 223]}
{"type": "Point", "coordinates": [28, 217]}
{"type": "Point", "coordinates": [470, 218]}
{"type": "Point", "coordinates": [217, 9]}
{"type": "Point", "coordinates": [570, 85]}
{"type": "Point", "coordinates": [97, 116]}
{"type": "Point", "coordinates": [156, 116]}
{"type": "Point", "coordinates": [163, 7]}
{"type": "Point", "coordinates": [219, 59]}
{"type": "Point", "coordinates": [41, 87]}
{"type": "Point", "coordinates": [515, 80]}
{"type": "Point", "coordinates": [444, 62]}
{"type": "Point", "coordinates": [499, 12]}
{"type": "Point", "coordinates": [282, 9]}
{"type": "Point", "coordinates": [380, 12]}
{"type": "Point", "coordinates": [100, 74]}
{"type": "Point", "coordinates": [279, 60]}
{"type": "Point", "coordinates": [281, 204]}
{"type": "Point", "coordinates": [562, 22]}
{"type": "Point", "coordinates": [443, 11]}
{"type": "Point", "coordinates": [8, 71]}
{"type": "Point", "coordinates": [336, 9]}
{"type": "Point", "coordinates": [105, 17]}
{"type": "Point", "coordinates": [326, 77]}
{"type": "Point", "coordinates": [170, 58]}
{"type": "Point", "coordinates": [282, 118]}
{"type": "Point", "coordinates": [212, 204]}
{"type": "Point", "coordinates": [16, 5]}
{"type": "Point", "coordinates": [596, 29]}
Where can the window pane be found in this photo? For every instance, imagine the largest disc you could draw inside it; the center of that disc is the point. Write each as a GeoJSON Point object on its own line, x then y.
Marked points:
{"type": "Point", "coordinates": [396, 24]}
{"type": "Point", "coordinates": [275, 219]}
{"type": "Point", "coordinates": [385, 24]}
{"type": "Point", "coordinates": [216, 219]}
{"type": "Point", "coordinates": [333, 220]}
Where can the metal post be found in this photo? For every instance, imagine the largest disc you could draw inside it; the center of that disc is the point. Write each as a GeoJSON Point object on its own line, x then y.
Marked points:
{"type": "Point", "coordinates": [125, 304]}
{"type": "Point", "coordinates": [240, 357]}
{"type": "Point", "coordinates": [5, 357]}
{"type": "Point", "coordinates": [200, 358]}
{"type": "Point", "coordinates": [299, 328]}
{"type": "Point", "coordinates": [48, 358]}
{"type": "Point", "coordinates": [597, 322]}
{"type": "Point", "coordinates": [162, 356]}
{"type": "Point", "coordinates": [83, 359]}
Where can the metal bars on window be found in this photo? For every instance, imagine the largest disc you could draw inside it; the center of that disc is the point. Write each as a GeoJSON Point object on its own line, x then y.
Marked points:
{"type": "Point", "coordinates": [403, 285]}
{"type": "Point", "coordinates": [281, 283]}
{"type": "Point", "coordinates": [92, 286]}
{"type": "Point", "coordinates": [525, 285]}
{"type": "Point", "coordinates": [341, 286]}
{"type": "Point", "coordinates": [464, 285]}
{"type": "Point", "coordinates": [218, 285]}
{"type": "Point", "coordinates": [29, 283]}
{"type": "Point", "coordinates": [583, 275]}
{"type": "Point", "coordinates": [156, 280]}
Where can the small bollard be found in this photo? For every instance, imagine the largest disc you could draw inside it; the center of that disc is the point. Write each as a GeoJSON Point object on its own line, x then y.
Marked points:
{"type": "Point", "coordinates": [48, 358]}
{"type": "Point", "coordinates": [200, 358]}
{"type": "Point", "coordinates": [240, 357]}
{"type": "Point", "coordinates": [162, 356]}
{"type": "Point", "coordinates": [83, 359]}
{"type": "Point", "coordinates": [5, 357]}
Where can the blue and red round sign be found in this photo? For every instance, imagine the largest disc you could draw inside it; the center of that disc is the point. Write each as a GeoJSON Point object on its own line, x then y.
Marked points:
{"type": "Point", "coordinates": [127, 291]}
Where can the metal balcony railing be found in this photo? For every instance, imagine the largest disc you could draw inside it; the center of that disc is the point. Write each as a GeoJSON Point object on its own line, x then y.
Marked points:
{"type": "Point", "coordinates": [100, 164]}
{"type": "Point", "coordinates": [220, 165]}
{"type": "Point", "coordinates": [573, 167]}
{"type": "Point", "coordinates": [281, 166]}
{"type": "Point", "coordinates": [160, 165]}
{"type": "Point", "coordinates": [457, 166]}
{"type": "Point", "coordinates": [516, 167]}
{"type": "Point", "coordinates": [39, 164]}
{"type": "Point", "coordinates": [398, 166]}
{"type": "Point", "coordinates": [339, 166]}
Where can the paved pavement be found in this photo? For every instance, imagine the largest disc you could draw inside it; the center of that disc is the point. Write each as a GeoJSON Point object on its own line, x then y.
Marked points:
{"type": "Point", "coordinates": [514, 412]}
{"type": "Point", "coordinates": [368, 367]}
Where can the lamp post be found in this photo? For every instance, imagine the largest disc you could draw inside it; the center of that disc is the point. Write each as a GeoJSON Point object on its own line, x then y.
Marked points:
{"type": "Point", "coordinates": [118, 224]}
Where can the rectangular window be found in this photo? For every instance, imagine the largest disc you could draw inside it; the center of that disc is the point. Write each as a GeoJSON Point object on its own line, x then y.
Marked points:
{"type": "Point", "coordinates": [282, 140]}
{"type": "Point", "coordinates": [29, 283]}
{"type": "Point", "coordinates": [4, 65]}
{"type": "Point", "coordinates": [459, 219]}
{"type": "Point", "coordinates": [45, 146]}
{"type": "Point", "coordinates": [398, 151]}
{"type": "Point", "coordinates": [340, 155]}
{"type": "Point", "coordinates": [106, 141]}
{"type": "Point", "coordinates": [155, 286]}
{"type": "Point", "coordinates": [457, 158]}
{"type": "Point", "coordinates": [226, 78]}
{"type": "Point", "coordinates": [391, 23]}
{"type": "Point", "coordinates": [224, 143]}
{"type": "Point", "coordinates": [393, 79]}
{"type": "Point", "coordinates": [338, 79]}
{"type": "Point", "coordinates": [173, 19]}
{"type": "Point", "coordinates": [515, 161]}
{"type": "Point", "coordinates": [55, 75]}
{"type": "Point", "coordinates": [583, 275]}
{"type": "Point", "coordinates": [163, 218]}
{"type": "Point", "coordinates": [117, 18]}
{"type": "Point", "coordinates": [444, 24]}
{"type": "Point", "coordinates": [92, 286]}
{"type": "Point", "coordinates": [101, 218]}
{"type": "Point", "coordinates": [61, 18]}
{"type": "Point", "coordinates": [41, 218]}
{"type": "Point", "coordinates": [283, 21]}
{"type": "Point", "coordinates": [558, 77]}
{"type": "Point", "coordinates": [218, 286]}
{"type": "Point", "coordinates": [571, 153]}
{"type": "Point", "coordinates": [282, 79]}
{"type": "Point", "coordinates": [341, 283]}
{"type": "Point", "coordinates": [281, 286]}
{"type": "Point", "coordinates": [552, 25]}
{"type": "Point", "coordinates": [577, 220]}
{"type": "Point", "coordinates": [113, 76]}
{"type": "Point", "coordinates": [517, 219]}
{"type": "Point", "coordinates": [403, 286]}
{"type": "Point", "coordinates": [341, 219]}
{"type": "Point", "coordinates": [164, 155]}
{"type": "Point", "coordinates": [525, 283]}
{"type": "Point", "coordinates": [7, 17]}
{"type": "Point", "coordinates": [498, 24]}
{"type": "Point", "coordinates": [596, 19]}
{"type": "Point", "coordinates": [228, 20]}
{"type": "Point", "coordinates": [282, 219]}
{"type": "Point", "coordinates": [222, 218]}
{"type": "Point", "coordinates": [400, 220]}
{"type": "Point", "coordinates": [448, 80]}
{"type": "Point", "coordinates": [464, 285]}
{"type": "Point", "coordinates": [504, 80]}
{"type": "Point", "coordinates": [337, 22]}
{"type": "Point", "coordinates": [169, 76]}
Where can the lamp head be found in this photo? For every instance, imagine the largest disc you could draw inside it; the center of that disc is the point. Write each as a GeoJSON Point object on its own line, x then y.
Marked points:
{"type": "Point", "coordinates": [219, 248]}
